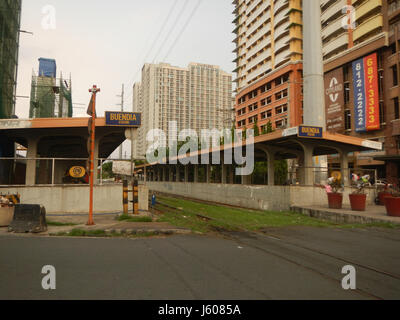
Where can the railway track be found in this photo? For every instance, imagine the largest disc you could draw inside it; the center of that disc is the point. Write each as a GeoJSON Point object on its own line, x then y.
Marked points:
{"type": "Point", "coordinates": [240, 236]}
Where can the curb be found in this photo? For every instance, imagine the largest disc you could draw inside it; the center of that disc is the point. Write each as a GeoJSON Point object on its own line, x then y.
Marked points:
{"type": "Point", "coordinates": [340, 217]}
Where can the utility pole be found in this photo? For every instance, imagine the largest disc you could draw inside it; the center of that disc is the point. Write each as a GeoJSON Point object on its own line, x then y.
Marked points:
{"type": "Point", "coordinates": [122, 110]}
{"type": "Point", "coordinates": [313, 68]}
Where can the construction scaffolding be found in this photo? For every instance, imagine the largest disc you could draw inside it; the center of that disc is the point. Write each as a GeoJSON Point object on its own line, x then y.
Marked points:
{"type": "Point", "coordinates": [10, 18]}
{"type": "Point", "coordinates": [50, 97]}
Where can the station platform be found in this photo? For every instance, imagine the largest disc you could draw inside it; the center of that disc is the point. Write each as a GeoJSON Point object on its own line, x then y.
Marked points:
{"type": "Point", "coordinates": [373, 214]}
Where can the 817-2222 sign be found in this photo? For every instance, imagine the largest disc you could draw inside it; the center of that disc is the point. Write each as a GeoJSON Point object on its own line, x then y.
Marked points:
{"type": "Point", "coordinates": [123, 119]}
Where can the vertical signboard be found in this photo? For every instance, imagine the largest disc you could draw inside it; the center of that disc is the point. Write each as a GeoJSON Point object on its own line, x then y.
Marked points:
{"type": "Point", "coordinates": [372, 92]}
{"type": "Point", "coordinates": [359, 95]}
{"type": "Point", "coordinates": [366, 94]}
{"type": "Point", "coordinates": [334, 100]}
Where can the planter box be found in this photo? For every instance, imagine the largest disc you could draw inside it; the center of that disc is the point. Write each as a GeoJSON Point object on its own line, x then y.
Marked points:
{"type": "Point", "coordinates": [6, 216]}
{"type": "Point", "coordinates": [392, 205]}
{"type": "Point", "coordinates": [382, 196]}
{"type": "Point", "coordinates": [335, 200]}
{"type": "Point", "coordinates": [358, 202]}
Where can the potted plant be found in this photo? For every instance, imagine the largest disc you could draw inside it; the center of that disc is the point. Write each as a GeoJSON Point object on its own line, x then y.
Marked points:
{"type": "Point", "coordinates": [392, 204]}
{"type": "Point", "coordinates": [383, 192]}
{"type": "Point", "coordinates": [358, 199]}
{"type": "Point", "coordinates": [335, 197]}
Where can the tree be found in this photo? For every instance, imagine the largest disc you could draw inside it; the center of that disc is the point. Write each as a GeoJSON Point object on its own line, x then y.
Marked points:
{"type": "Point", "coordinates": [107, 170]}
{"type": "Point", "coordinates": [281, 171]}
{"type": "Point", "coordinates": [269, 127]}
{"type": "Point", "coordinates": [256, 129]}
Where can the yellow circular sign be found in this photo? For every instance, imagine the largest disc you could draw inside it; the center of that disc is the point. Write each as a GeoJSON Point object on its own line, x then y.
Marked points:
{"type": "Point", "coordinates": [337, 175]}
{"type": "Point", "coordinates": [77, 172]}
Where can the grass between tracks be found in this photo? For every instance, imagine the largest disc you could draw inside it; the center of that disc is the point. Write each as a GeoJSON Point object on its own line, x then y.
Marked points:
{"type": "Point", "coordinates": [201, 217]}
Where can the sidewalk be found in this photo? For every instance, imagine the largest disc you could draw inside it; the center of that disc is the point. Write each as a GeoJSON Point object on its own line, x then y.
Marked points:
{"type": "Point", "coordinates": [107, 223]}
{"type": "Point", "coordinates": [373, 214]}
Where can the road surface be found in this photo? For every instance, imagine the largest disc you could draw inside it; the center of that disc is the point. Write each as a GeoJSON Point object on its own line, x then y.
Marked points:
{"type": "Point", "coordinates": [288, 263]}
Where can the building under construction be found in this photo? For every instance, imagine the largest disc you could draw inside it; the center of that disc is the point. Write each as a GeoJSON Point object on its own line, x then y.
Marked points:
{"type": "Point", "coordinates": [10, 18]}
{"type": "Point", "coordinates": [50, 96]}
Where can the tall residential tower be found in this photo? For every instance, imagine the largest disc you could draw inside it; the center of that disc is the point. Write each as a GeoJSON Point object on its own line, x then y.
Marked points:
{"type": "Point", "coordinates": [197, 97]}
{"type": "Point", "coordinates": [269, 62]}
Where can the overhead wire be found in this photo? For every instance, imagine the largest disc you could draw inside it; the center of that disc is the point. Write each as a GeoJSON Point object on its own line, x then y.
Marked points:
{"type": "Point", "coordinates": [171, 29]}
{"type": "Point", "coordinates": [153, 44]}
{"type": "Point", "coordinates": [183, 29]}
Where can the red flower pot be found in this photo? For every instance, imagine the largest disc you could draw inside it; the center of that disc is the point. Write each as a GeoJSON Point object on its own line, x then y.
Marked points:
{"type": "Point", "coordinates": [358, 202]}
{"type": "Point", "coordinates": [392, 205]}
{"type": "Point", "coordinates": [335, 200]}
{"type": "Point", "coordinates": [382, 196]}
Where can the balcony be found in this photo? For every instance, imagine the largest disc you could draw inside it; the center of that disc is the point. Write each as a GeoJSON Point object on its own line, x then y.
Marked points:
{"type": "Point", "coordinates": [332, 10]}
{"type": "Point", "coordinates": [264, 68]}
{"type": "Point", "coordinates": [335, 43]}
{"type": "Point", "coordinates": [368, 26]}
{"type": "Point", "coordinates": [263, 56]}
{"type": "Point", "coordinates": [260, 33]}
{"type": "Point", "coordinates": [252, 6]}
{"type": "Point", "coordinates": [332, 27]}
{"type": "Point", "coordinates": [256, 13]}
{"type": "Point", "coordinates": [257, 48]}
{"type": "Point", "coordinates": [367, 7]}
{"type": "Point", "coordinates": [257, 24]}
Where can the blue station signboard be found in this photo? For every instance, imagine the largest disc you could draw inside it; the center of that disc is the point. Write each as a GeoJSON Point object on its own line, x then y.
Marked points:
{"type": "Point", "coordinates": [123, 119]}
{"type": "Point", "coordinates": [310, 132]}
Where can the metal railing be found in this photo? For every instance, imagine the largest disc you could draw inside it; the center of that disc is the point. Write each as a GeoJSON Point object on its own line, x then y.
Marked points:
{"type": "Point", "coordinates": [48, 171]}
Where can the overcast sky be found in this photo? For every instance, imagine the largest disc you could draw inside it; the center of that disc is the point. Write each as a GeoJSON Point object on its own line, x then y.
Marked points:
{"type": "Point", "coordinates": [105, 42]}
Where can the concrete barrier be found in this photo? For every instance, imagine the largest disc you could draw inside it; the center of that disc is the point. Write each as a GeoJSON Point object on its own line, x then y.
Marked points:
{"type": "Point", "coordinates": [6, 216]}
{"type": "Point", "coordinates": [275, 198]}
{"type": "Point", "coordinates": [65, 199]}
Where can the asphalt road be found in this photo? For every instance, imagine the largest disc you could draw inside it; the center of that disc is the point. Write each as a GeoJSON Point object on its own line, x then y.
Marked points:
{"type": "Point", "coordinates": [294, 263]}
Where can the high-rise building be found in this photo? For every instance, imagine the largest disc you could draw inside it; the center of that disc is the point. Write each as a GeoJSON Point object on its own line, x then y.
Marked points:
{"type": "Point", "coordinates": [196, 97]}
{"type": "Point", "coordinates": [269, 63]}
{"type": "Point", "coordinates": [362, 65]}
{"type": "Point", "coordinates": [51, 97]}
{"type": "Point", "coordinates": [10, 19]}
{"type": "Point", "coordinates": [361, 57]}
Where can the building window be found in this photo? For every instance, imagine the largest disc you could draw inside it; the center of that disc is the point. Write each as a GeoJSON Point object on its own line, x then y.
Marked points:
{"type": "Point", "coordinates": [347, 120]}
{"type": "Point", "coordinates": [266, 114]}
{"type": "Point", "coordinates": [281, 94]}
{"type": "Point", "coordinates": [266, 101]}
{"type": "Point", "coordinates": [253, 94]}
{"type": "Point", "coordinates": [281, 109]}
{"type": "Point", "coordinates": [253, 119]}
{"type": "Point", "coordinates": [395, 78]}
{"type": "Point", "coordinates": [253, 107]}
{"type": "Point", "coordinates": [347, 93]}
{"type": "Point", "coordinates": [280, 123]}
{"type": "Point", "coordinates": [282, 80]}
{"type": "Point", "coordinates": [396, 108]}
{"type": "Point", "coordinates": [382, 113]}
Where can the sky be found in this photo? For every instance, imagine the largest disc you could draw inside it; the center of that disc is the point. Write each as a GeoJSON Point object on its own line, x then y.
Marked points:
{"type": "Point", "coordinates": [106, 43]}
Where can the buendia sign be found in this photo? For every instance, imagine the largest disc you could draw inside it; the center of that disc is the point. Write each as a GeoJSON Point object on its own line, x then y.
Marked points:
{"type": "Point", "coordinates": [310, 132]}
{"type": "Point", "coordinates": [123, 119]}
